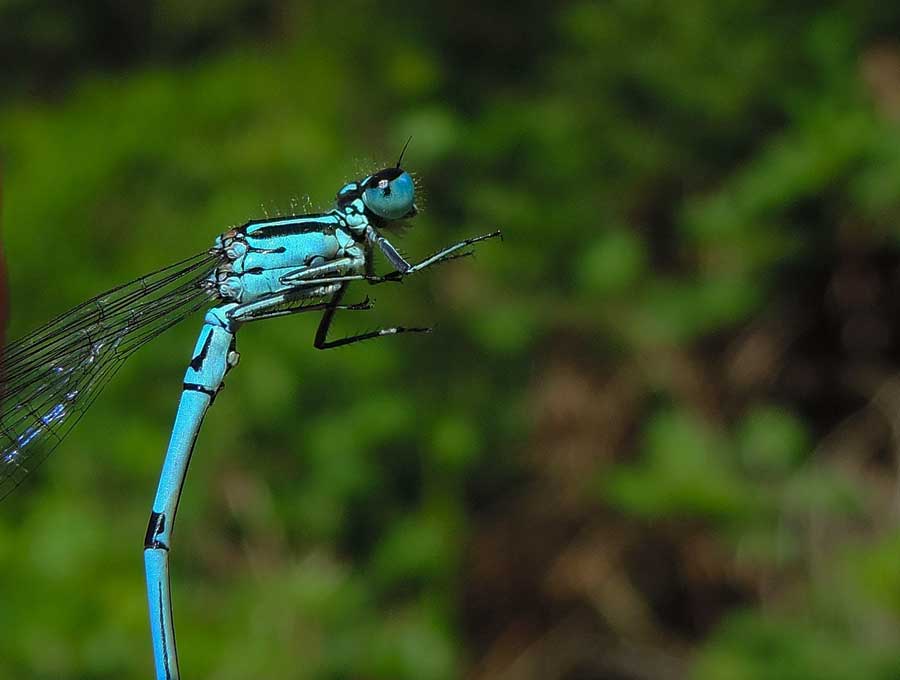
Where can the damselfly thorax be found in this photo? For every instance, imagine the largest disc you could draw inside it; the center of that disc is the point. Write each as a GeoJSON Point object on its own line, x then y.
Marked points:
{"type": "Point", "coordinates": [264, 257]}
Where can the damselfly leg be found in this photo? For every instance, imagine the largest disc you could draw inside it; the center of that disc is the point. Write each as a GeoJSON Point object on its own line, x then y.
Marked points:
{"type": "Point", "coordinates": [322, 342]}
{"type": "Point", "coordinates": [318, 276]}
{"type": "Point", "coordinates": [404, 268]}
{"type": "Point", "coordinates": [292, 302]}
{"type": "Point", "coordinates": [313, 275]}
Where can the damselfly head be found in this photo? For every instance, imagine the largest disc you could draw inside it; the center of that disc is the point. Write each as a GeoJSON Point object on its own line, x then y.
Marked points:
{"type": "Point", "coordinates": [390, 194]}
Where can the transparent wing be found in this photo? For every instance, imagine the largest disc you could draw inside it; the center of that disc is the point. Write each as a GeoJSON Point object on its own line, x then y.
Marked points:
{"type": "Point", "coordinates": [50, 377]}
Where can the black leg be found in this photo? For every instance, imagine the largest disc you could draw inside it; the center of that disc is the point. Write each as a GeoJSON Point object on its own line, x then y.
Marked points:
{"type": "Point", "coordinates": [371, 276]}
{"type": "Point", "coordinates": [322, 341]}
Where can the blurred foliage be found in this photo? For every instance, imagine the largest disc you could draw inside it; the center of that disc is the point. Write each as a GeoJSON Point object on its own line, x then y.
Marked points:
{"type": "Point", "coordinates": [655, 435]}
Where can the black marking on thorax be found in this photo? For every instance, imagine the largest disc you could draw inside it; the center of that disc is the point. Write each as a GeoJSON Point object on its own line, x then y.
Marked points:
{"type": "Point", "coordinates": [321, 222]}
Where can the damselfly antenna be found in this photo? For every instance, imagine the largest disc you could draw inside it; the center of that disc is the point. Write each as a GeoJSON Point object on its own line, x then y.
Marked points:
{"type": "Point", "coordinates": [400, 160]}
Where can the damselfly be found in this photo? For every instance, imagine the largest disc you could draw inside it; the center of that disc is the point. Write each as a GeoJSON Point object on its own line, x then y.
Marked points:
{"type": "Point", "coordinates": [263, 269]}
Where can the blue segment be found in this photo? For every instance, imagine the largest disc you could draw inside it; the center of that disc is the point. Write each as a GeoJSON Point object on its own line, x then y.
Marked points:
{"type": "Point", "coordinates": [291, 251]}
{"type": "Point", "coordinates": [203, 378]}
{"type": "Point", "coordinates": [162, 626]}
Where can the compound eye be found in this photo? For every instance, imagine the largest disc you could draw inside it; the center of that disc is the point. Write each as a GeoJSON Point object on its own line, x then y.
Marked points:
{"type": "Point", "coordinates": [390, 194]}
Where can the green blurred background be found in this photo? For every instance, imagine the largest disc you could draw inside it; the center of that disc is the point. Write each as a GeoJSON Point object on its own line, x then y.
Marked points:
{"type": "Point", "coordinates": [656, 434]}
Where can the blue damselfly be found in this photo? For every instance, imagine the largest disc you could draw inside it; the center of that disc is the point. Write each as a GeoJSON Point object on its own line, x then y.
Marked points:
{"type": "Point", "coordinates": [263, 269]}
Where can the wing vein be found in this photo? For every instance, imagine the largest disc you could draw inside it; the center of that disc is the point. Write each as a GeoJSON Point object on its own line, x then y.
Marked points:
{"type": "Point", "coordinates": [50, 377]}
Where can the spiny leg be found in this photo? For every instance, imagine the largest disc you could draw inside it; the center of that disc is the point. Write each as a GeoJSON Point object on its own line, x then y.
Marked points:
{"type": "Point", "coordinates": [322, 342]}
{"type": "Point", "coordinates": [318, 307]}
{"type": "Point", "coordinates": [445, 255]}
{"type": "Point", "coordinates": [335, 267]}
{"type": "Point", "coordinates": [268, 308]}
{"type": "Point", "coordinates": [404, 268]}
